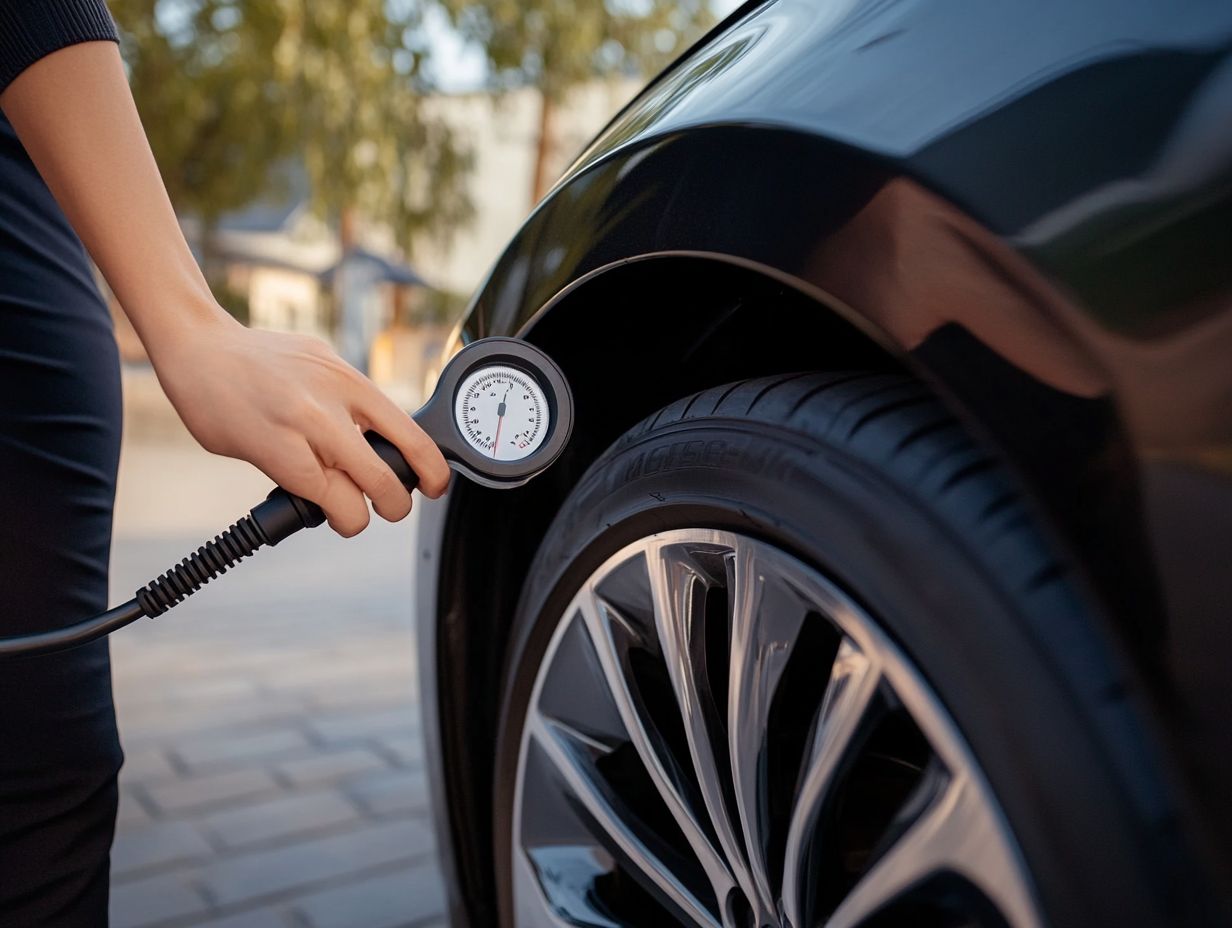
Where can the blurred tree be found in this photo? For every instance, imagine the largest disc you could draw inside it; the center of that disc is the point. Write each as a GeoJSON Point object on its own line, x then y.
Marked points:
{"type": "Point", "coordinates": [355, 70]}
{"type": "Point", "coordinates": [216, 122]}
{"type": "Point", "coordinates": [556, 45]}
{"type": "Point", "coordinates": [231, 91]}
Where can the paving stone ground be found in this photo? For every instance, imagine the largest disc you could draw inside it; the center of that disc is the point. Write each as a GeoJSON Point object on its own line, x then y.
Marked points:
{"type": "Point", "coordinates": [274, 764]}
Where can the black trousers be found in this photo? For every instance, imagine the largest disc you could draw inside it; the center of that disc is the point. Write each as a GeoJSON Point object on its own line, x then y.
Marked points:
{"type": "Point", "coordinates": [59, 446]}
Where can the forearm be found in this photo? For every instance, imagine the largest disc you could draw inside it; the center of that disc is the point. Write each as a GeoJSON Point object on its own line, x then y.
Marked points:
{"type": "Point", "coordinates": [75, 116]}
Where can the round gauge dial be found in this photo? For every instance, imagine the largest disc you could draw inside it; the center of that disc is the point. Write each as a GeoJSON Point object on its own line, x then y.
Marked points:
{"type": "Point", "coordinates": [502, 412]}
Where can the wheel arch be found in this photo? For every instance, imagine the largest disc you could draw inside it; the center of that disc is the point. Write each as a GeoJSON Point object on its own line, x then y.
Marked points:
{"type": "Point", "coordinates": [632, 337]}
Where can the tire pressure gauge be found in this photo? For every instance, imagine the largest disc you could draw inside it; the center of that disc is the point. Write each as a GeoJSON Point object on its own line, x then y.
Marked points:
{"type": "Point", "coordinates": [501, 412]}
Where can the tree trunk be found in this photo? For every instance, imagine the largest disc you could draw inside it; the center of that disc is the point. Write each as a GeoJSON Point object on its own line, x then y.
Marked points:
{"type": "Point", "coordinates": [400, 303]}
{"type": "Point", "coordinates": [544, 145]}
{"type": "Point", "coordinates": [346, 229]}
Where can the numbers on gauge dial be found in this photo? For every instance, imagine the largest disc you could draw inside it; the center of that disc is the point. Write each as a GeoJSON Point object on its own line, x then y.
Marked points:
{"type": "Point", "coordinates": [502, 413]}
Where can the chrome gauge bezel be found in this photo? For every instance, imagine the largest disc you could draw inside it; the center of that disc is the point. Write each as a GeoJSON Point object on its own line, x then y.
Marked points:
{"type": "Point", "coordinates": [438, 419]}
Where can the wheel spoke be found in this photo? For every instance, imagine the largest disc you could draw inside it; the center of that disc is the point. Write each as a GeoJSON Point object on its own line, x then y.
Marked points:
{"type": "Point", "coordinates": [956, 833]}
{"type": "Point", "coordinates": [600, 617]}
{"type": "Point", "coordinates": [766, 616]}
{"type": "Point", "coordinates": [556, 741]}
{"type": "Point", "coordinates": [854, 678]}
{"type": "Point", "coordinates": [533, 907]}
{"type": "Point", "coordinates": [678, 593]}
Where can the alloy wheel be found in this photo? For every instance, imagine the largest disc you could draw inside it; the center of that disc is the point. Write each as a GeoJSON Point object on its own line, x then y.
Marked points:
{"type": "Point", "coordinates": [717, 736]}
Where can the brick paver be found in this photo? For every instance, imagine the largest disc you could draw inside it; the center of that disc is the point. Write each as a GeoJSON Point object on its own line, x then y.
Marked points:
{"type": "Point", "coordinates": [232, 750]}
{"type": "Point", "coordinates": [391, 793]}
{"type": "Point", "coordinates": [158, 900]}
{"type": "Point", "coordinates": [305, 863]}
{"type": "Point", "coordinates": [274, 773]}
{"type": "Point", "coordinates": [285, 817]}
{"type": "Point", "coordinates": [158, 845]}
{"type": "Point", "coordinates": [332, 767]}
{"type": "Point", "coordinates": [194, 794]}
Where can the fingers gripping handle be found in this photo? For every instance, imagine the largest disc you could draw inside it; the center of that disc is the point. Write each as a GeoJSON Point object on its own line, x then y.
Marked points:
{"type": "Point", "coordinates": [283, 514]}
{"type": "Point", "coordinates": [279, 516]}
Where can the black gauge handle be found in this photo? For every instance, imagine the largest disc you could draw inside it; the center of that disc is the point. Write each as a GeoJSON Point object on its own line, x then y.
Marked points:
{"type": "Point", "coordinates": [283, 514]}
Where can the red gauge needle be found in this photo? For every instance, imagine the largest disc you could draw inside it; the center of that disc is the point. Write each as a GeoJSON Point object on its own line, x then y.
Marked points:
{"type": "Point", "coordinates": [500, 420]}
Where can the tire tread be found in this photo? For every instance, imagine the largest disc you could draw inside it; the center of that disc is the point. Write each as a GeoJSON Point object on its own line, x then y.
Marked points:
{"type": "Point", "coordinates": [895, 423]}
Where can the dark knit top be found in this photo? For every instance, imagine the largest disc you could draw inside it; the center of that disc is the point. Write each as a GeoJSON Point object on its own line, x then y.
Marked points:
{"type": "Point", "coordinates": [30, 29]}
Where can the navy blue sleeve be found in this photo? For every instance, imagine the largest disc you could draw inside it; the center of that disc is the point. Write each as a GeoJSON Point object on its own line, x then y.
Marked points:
{"type": "Point", "coordinates": [30, 29]}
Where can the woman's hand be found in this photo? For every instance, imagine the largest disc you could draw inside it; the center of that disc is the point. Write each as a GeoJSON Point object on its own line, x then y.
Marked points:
{"type": "Point", "coordinates": [292, 407]}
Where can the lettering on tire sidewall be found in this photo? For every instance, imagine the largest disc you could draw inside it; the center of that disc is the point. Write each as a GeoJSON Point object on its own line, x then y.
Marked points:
{"type": "Point", "coordinates": [737, 454]}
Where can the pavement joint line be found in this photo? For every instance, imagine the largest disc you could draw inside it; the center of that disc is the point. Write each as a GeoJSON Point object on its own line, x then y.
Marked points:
{"type": "Point", "coordinates": [310, 734]}
{"type": "Point", "coordinates": [177, 762]}
{"type": "Point", "coordinates": [216, 845]}
{"type": "Point", "coordinates": [394, 758]}
{"type": "Point", "coordinates": [137, 793]}
{"type": "Point", "coordinates": [378, 748]}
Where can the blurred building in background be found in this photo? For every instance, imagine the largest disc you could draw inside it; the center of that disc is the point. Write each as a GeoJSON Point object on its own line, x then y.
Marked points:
{"type": "Point", "coordinates": [503, 133]}
{"type": "Point", "coordinates": [272, 256]}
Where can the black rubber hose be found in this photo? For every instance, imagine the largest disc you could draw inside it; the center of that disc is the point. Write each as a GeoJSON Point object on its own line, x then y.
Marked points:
{"type": "Point", "coordinates": [207, 562]}
{"type": "Point", "coordinates": [279, 516]}
{"type": "Point", "coordinates": [61, 639]}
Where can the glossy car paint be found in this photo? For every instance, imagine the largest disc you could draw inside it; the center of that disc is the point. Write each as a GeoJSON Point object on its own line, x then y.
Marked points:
{"type": "Point", "coordinates": [1028, 204]}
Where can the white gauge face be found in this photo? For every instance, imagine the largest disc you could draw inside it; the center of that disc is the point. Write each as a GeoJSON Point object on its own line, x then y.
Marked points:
{"type": "Point", "coordinates": [502, 412]}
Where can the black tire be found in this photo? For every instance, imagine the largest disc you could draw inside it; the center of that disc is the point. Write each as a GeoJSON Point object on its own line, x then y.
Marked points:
{"type": "Point", "coordinates": [869, 478]}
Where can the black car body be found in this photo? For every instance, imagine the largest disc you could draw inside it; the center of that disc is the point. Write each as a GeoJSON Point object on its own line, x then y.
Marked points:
{"type": "Point", "coordinates": [1028, 206]}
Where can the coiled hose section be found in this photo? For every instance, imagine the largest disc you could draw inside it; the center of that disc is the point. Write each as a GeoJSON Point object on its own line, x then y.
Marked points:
{"type": "Point", "coordinates": [192, 573]}
{"type": "Point", "coordinates": [195, 571]}
{"type": "Point", "coordinates": [279, 516]}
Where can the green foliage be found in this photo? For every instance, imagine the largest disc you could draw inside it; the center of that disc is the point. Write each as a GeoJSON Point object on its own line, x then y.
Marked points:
{"type": "Point", "coordinates": [215, 122]}
{"type": "Point", "coordinates": [231, 90]}
{"type": "Point", "coordinates": [355, 69]}
{"type": "Point", "coordinates": [555, 45]}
